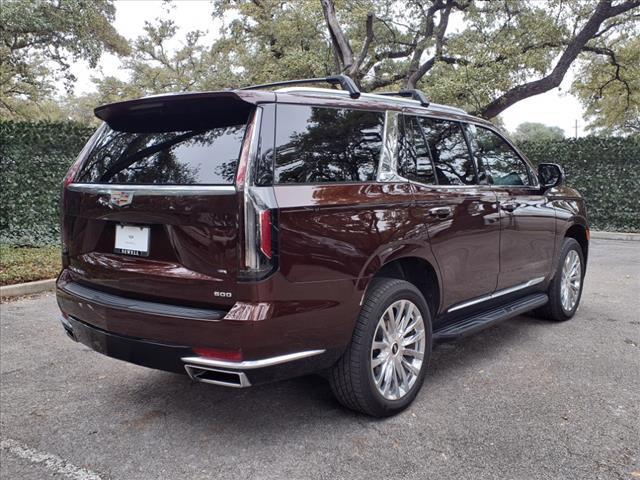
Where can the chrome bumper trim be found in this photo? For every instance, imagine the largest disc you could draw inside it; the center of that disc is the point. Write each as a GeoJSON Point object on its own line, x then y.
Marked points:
{"type": "Point", "coordinates": [250, 364]}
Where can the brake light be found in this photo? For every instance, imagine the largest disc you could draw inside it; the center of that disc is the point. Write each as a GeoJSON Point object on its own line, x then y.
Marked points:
{"type": "Point", "coordinates": [265, 233]}
{"type": "Point", "coordinates": [231, 355]}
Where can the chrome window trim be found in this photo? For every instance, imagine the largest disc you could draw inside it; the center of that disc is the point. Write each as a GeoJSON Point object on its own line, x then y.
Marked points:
{"type": "Point", "coordinates": [388, 165]}
{"type": "Point", "coordinates": [497, 294]}
{"type": "Point", "coordinates": [250, 364]}
{"type": "Point", "coordinates": [531, 172]}
{"type": "Point", "coordinates": [108, 188]}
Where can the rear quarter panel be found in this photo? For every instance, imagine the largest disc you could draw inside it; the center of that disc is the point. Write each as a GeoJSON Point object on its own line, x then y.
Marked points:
{"type": "Point", "coordinates": [332, 239]}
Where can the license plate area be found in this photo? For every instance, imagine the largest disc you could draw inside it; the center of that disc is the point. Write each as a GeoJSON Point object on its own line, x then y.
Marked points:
{"type": "Point", "coordinates": [132, 240]}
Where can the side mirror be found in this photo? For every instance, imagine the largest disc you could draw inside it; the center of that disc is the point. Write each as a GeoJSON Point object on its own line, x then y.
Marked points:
{"type": "Point", "coordinates": [550, 175]}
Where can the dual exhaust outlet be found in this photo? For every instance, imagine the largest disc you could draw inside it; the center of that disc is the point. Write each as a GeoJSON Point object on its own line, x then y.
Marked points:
{"type": "Point", "coordinates": [216, 376]}
{"type": "Point", "coordinates": [231, 374]}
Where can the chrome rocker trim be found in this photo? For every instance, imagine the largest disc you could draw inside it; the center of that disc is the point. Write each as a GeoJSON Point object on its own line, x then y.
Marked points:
{"type": "Point", "coordinates": [497, 294]}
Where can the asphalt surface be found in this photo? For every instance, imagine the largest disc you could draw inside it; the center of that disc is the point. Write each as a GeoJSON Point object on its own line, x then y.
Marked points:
{"type": "Point", "coordinates": [527, 399]}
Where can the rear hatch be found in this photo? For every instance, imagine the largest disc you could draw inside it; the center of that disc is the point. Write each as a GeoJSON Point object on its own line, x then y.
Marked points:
{"type": "Point", "coordinates": [151, 211]}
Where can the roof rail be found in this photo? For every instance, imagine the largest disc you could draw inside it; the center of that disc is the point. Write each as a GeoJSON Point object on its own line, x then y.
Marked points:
{"type": "Point", "coordinates": [412, 93]}
{"type": "Point", "coordinates": [344, 81]}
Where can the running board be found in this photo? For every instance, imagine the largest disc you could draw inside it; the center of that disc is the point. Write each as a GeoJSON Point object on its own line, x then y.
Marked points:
{"type": "Point", "coordinates": [469, 325]}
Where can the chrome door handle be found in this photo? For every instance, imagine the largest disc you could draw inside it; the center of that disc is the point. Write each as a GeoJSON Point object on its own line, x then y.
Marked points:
{"type": "Point", "coordinates": [440, 212]}
{"type": "Point", "coordinates": [508, 207]}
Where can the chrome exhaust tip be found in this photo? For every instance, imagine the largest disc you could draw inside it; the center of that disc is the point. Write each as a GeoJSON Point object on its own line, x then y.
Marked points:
{"type": "Point", "coordinates": [215, 376]}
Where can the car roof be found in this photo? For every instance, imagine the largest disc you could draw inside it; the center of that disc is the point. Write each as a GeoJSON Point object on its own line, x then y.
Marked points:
{"type": "Point", "coordinates": [371, 101]}
{"type": "Point", "coordinates": [111, 113]}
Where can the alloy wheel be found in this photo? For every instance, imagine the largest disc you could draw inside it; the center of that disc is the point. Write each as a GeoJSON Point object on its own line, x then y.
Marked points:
{"type": "Point", "coordinates": [397, 350]}
{"type": "Point", "coordinates": [571, 281]}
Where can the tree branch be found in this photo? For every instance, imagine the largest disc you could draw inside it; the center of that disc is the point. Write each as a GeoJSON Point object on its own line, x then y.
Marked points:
{"type": "Point", "coordinates": [365, 47]}
{"type": "Point", "coordinates": [440, 30]}
{"type": "Point", "coordinates": [339, 40]}
{"type": "Point", "coordinates": [602, 12]}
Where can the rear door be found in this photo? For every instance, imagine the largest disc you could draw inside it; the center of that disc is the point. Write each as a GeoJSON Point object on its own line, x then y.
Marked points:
{"type": "Point", "coordinates": [462, 216]}
{"type": "Point", "coordinates": [527, 219]}
{"type": "Point", "coordinates": [153, 211]}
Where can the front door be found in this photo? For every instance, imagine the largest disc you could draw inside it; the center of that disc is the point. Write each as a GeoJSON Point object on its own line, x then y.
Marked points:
{"type": "Point", "coordinates": [527, 219]}
{"type": "Point", "coordinates": [462, 217]}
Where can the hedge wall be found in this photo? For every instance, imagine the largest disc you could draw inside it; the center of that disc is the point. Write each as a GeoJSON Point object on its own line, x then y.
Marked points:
{"type": "Point", "coordinates": [34, 158]}
{"type": "Point", "coordinates": [606, 171]}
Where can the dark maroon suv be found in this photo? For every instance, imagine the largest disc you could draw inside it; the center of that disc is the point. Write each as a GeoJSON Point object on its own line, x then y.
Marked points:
{"type": "Point", "coordinates": [250, 235]}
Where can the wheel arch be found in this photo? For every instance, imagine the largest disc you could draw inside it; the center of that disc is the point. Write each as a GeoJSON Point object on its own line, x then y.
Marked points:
{"type": "Point", "coordinates": [419, 272]}
{"type": "Point", "coordinates": [579, 233]}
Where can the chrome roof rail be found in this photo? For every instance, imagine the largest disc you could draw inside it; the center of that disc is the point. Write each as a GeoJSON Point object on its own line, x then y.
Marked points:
{"type": "Point", "coordinates": [343, 80]}
{"type": "Point", "coordinates": [413, 93]}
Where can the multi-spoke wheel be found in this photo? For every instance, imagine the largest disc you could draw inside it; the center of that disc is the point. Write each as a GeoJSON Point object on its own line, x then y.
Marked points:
{"type": "Point", "coordinates": [397, 349]}
{"type": "Point", "coordinates": [571, 280]}
{"type": "Point", "coordinates": [383, 368]}
{"type": "Point", "coordinates": [565, 288]}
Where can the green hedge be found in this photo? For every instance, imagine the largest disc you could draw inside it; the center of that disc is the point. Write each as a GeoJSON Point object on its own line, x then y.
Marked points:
{"type": "Point", "coordinates": [34, 158]}
{"type": "Point", "coordinates": [606, 171]}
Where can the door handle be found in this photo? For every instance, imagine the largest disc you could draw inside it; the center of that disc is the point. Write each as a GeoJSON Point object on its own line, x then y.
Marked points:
{"type": "Point", "coordinates": [440, 212]}
{"type": "Point", "coordinates": [508, 207]}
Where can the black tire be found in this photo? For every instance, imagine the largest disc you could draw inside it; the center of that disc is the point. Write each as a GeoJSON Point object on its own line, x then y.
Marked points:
{"type": "Point", "coordinates": [350, 378]}
{"type": "Point", "coordinates": [554, 310]}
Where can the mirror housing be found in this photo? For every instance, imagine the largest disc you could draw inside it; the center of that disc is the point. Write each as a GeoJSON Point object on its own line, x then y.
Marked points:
{"type": "Point", "coordinates": [550, 175]}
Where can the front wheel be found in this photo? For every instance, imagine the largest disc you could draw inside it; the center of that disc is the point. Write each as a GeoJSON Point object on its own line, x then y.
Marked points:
{"type": "Point", "coordinates": [565, 290]}
{"type": "Point", "coordinates": [383, 367]}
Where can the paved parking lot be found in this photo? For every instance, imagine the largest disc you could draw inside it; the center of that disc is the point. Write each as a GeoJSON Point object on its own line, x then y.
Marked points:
{"type": "Point", "coordinates": [524, 400]}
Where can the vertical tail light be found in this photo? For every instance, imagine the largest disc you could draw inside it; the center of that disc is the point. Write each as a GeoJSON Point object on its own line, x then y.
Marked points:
{"type": "Point", "coordinates": [260, 221]}
{"type": "Point", "coordinates": [266, 227]}
{"type": "Point", "coordinates": [258, 239]}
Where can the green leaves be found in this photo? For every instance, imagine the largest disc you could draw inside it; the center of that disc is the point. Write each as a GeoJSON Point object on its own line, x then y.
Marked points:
{"type": "Point", "coordinates": [34, 158]}
{"type": "Point", "coordinates": [606, 171]}
{"type": "Point", "coordinates": [40, 39]}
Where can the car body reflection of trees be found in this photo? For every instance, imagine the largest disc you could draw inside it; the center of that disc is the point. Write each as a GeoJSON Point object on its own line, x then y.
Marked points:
{"type": "Point", "coordinates": [178, 158]}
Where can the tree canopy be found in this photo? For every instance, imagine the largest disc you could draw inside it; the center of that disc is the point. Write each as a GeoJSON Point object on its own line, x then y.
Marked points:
{"type": "Point", "coordinates": [533, 131]}
{"type": "Point", "coordinates": [38, 41]}
{"type": "Point", "coordinates": [480, 55]}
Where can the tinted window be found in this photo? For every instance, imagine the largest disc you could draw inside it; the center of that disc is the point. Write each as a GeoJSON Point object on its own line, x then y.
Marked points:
{"type": "Point", "coordinates": [415, 161]}
{"type": "Point", "coordinates": [327, 144]}
{"type": "Point", "coordinates": [501, 163]}
{"type": "Point", "coordinates": [182, 158]}
{"type": "Point", "coordinates": [449, 152]}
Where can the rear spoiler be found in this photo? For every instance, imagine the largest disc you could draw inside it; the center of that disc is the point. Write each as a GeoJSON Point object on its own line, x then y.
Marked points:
{"type": "Point", "coordinates": [182, 111]}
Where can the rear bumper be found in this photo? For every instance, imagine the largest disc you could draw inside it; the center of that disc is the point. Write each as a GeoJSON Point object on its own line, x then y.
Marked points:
{"type": "Point", "coordinates": [163, 336]}
{"type": "Point", "coordinates": [180, 359]}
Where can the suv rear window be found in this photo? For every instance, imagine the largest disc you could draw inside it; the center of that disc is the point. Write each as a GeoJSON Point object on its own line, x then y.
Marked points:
{"type": "Point", "coordinates": [318, 145]}
{"type": "Point", "coordinates": [202, 157]}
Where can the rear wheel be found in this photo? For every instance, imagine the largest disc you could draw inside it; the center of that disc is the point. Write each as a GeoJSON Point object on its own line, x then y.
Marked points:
{"type": "Point", "coordinates": [383, 367]}
{"type": "Point", "coordinates": [565, 290]}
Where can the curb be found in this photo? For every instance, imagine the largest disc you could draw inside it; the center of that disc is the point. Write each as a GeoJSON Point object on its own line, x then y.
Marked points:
{"type": "Point", "coordinates": [616, 236]}
{"type": "Point", "coordinates": [28, 288]}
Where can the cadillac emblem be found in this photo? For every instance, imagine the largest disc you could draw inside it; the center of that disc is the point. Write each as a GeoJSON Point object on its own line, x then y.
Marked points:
{"type": "Point", "coordinates": [120, 199]}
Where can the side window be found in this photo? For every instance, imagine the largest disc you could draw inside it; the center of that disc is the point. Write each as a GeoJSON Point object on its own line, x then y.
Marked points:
{"type": "Point", "coordinates": [503, 166]}
{"type": "Point", "coordinates": [449, 151]}
{"type": "Point", "coordinates": [316, 145]}
{"type": "Point", "coordinates": [414, 159]}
